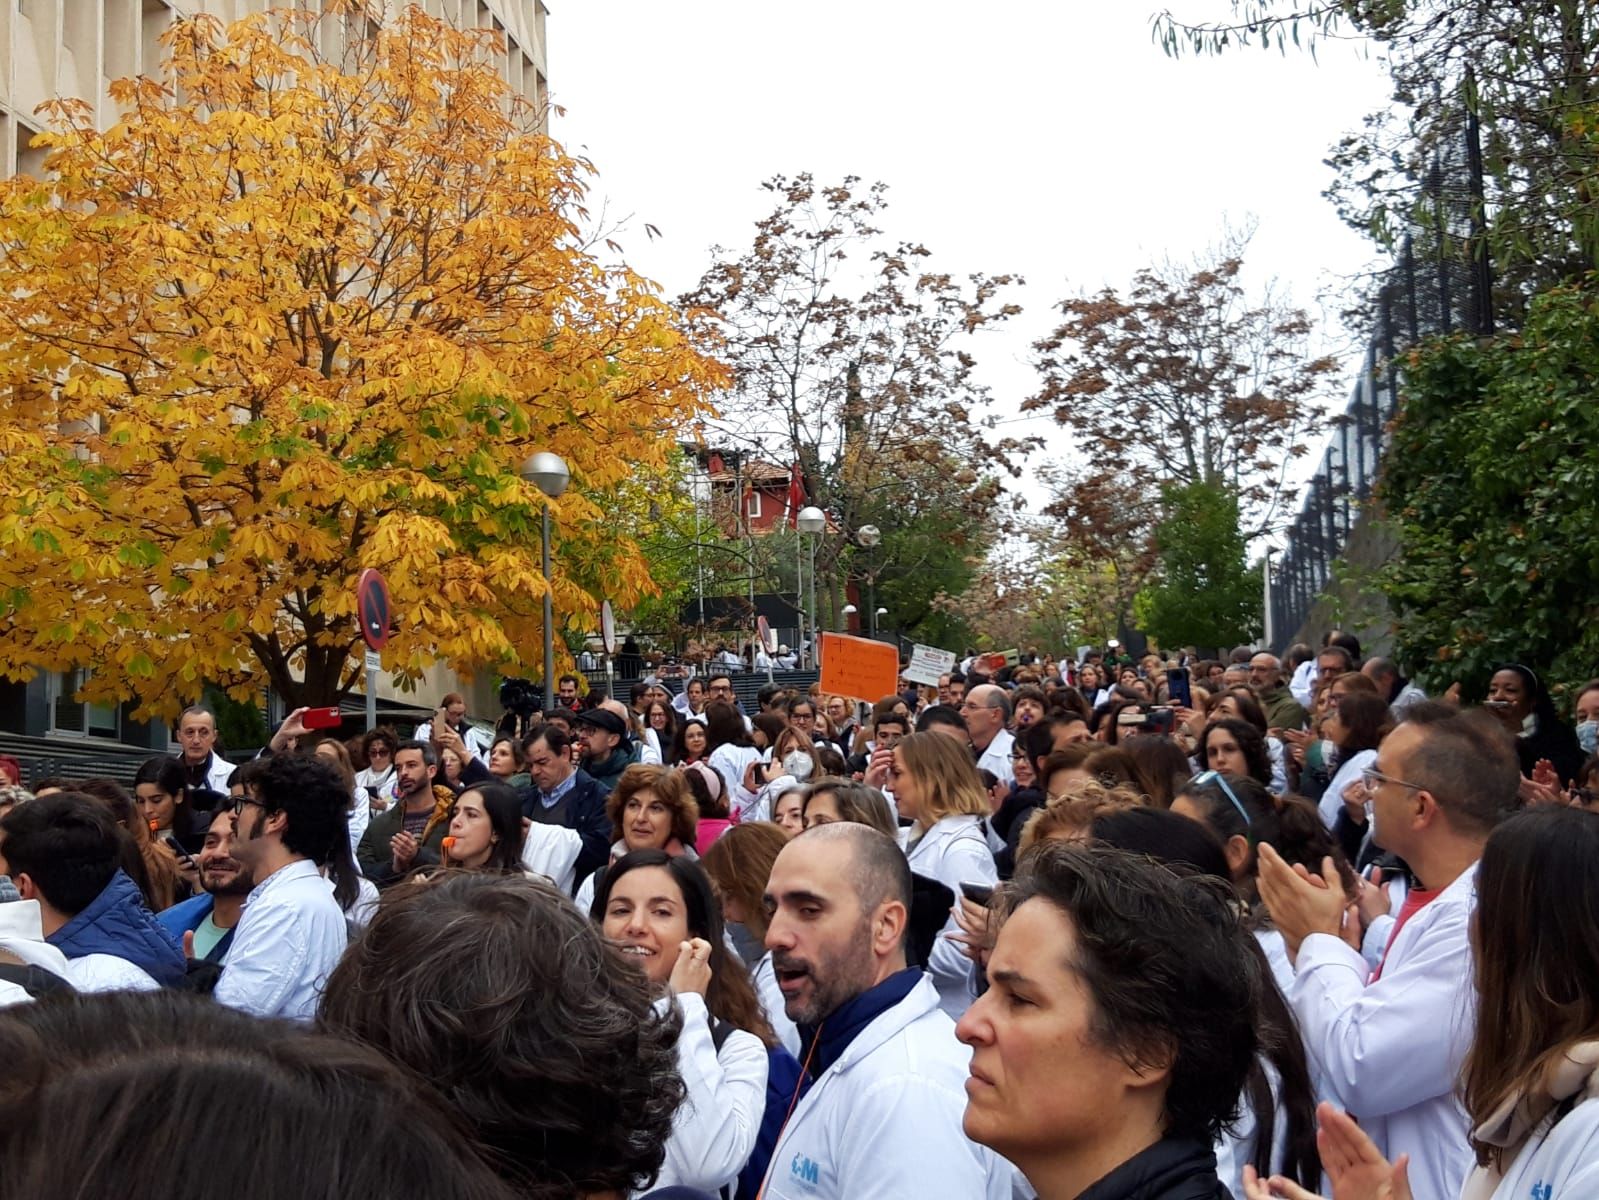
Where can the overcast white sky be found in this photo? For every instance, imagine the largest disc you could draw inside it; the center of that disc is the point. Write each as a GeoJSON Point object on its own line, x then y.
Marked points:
{"type": "Point", "coordinates": [1051, 139]}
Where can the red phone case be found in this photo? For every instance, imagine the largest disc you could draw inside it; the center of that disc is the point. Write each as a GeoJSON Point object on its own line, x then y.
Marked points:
{"type": "Point", "coordinates": [322, 718]}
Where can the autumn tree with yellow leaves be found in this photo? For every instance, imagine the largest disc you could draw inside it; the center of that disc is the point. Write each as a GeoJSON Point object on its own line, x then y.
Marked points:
{"type": "Point", "coordinates": [299, 313]}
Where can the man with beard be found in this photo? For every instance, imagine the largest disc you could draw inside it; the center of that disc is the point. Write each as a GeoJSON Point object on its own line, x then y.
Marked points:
{"type": "Point", "coordinates": [882, 1095]}
{"type": "Point", "coordinates": [213, 915]}
{"type": "Point", "coordinates": [410, 832]}
{"type": "Point", "coordinates": [291, 822]}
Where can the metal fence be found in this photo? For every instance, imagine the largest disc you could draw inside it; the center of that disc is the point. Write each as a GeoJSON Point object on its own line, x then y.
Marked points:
{"type": "Point", "coordinates": [1440, 284]}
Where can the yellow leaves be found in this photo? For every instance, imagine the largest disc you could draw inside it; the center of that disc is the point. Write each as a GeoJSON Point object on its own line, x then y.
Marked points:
{"type": "Point", "coordinates": [282, 323]}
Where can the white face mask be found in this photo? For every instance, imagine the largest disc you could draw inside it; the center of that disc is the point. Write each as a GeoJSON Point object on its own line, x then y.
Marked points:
{"type": "Point", "coordinates": [798, 764]}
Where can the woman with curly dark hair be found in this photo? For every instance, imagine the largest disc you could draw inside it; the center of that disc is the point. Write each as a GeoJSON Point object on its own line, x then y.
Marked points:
{"type": "Point", "coordinates": [1233, 747]}
{"type": "Point", "coordinates": [500, 993]}
{"type": "Point", "coordinates": [663, 914]}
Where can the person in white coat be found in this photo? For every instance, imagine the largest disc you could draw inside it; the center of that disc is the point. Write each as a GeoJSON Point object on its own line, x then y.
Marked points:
{"type": "Point", "coordinates": [290, 823]}
{"type": "Point", "coordinates": [1388, 1043]}
{"type": "Point", "coordinates": [937, 788]}
{"type": "Point", "coordinates": [1531, 1083]}
{"type": "Point", "coordinates": [662, 914]}
{"type": "Point", "coordinates": [878, 1113]}
{"type": "Point", "coordinates": [203, 767]}
{"type": "Point", "coordinates": [1118, 1028]}
{"type": "Point", "coordinates": [739, 864]}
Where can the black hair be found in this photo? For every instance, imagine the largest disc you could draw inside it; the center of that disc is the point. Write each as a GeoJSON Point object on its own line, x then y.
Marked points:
{"type": "Point", "coordinates": [429, 758]}
{"type": "Point", "coordinates": [940, 714]}
{"type": "Point", "coordinates": [166, 772]}
{"type": "Point", "coordinates": [503, 807]}
{"type": "Point", "coordinates": [135, 1073]}
{"type": "Point", "coordinates": [1162, 835]}
{"type": "Point", "coordinates": [496, 990]}
{"type": "Point", "coordinates": [1170, 970]}
{"type": "Point", "coordinates": [730, 996]}
{"type": "Point", "coordinates": [68, 844]}
{"type": "Point", "coordinates": [314, 798]}
{"type": "Point", "coordinates": [1159, 835]}
{"type": "Point", "coordinates": [723, 727]}
{"type": "Point", "coordinates": [557, 739]}
{"type": "Point", "coordinates": [1251, 742]}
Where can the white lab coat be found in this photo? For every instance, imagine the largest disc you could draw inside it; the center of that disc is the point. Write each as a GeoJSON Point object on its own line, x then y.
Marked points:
{"type": "Point", "coordinates": [764, 979]}
{"type": "Point", "coordinates": [1558, 1162]}
{"type": "Point", "coordinates": [1390, 1052]}
{"type": "Point", "coordinates": [551, 851]}
{"type": "Point", "coordinates": [1332, 800]}
{"type": "Point", "coordinates": [1235, 1146]}
{"type": "Point", "coordinates": [953, 851]}
{"type": "Point", "coordinates": [477, 740]}
{"type": "Point", "coordinates": [997, 757]}
{"type": "Point", "coordinates": [730, 762]}
{"type": "Point", "coordinates": [714, 1132]}
{"type": "Point", "coordinates": [1302, 687]}
{"type": "Point", "coordinates": [22, 934]}
{"type": "Point", "coordinates": [884, 1121]}
{"type": "Point", "coordinates": [217, 772]}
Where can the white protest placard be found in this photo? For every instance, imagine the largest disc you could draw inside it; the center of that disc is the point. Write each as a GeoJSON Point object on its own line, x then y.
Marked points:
{"type": "Point", "coordinates": [928, 663]}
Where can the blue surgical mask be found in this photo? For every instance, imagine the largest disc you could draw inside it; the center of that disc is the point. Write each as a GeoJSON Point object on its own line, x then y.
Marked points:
{"type": "Point", "coordinates": [1588, 737]}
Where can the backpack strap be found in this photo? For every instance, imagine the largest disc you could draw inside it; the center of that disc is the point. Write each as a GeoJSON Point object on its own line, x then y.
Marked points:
{"type": "Point", "coordinates": [34, 980]}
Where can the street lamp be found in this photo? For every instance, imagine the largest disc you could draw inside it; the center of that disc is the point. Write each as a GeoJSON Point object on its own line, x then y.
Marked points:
{"type": "Point", "coordinates": [812, 520]}
{"type": "Point", "coordinates": [868, 536]}
{"type": "Point", "coordinates": [849, 611]}
{"type": "Point", "coordinates": [549, 474]}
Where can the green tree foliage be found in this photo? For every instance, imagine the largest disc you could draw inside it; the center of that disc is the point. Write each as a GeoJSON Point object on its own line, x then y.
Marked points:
{"type": "Point", "coordinates": [854, 357]}
{"type": "Point", "coordinates": [1490, 483]}
{"type": "Point", "coordinates": [1525, 70]}
{"type": "Point", "coordinates": [1203, 593]}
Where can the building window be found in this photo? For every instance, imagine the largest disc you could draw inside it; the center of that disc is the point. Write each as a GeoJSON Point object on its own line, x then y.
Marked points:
{"type": "Point", "coordinates": [72, 716]}
{"type": "Point", "coordinates": [753, 508]}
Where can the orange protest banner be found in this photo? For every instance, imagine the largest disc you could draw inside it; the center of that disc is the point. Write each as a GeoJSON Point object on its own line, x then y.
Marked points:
{"type": "Point", "coordinates": [858, 668]}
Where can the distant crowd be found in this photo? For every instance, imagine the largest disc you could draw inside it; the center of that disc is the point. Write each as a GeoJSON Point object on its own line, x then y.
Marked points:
{"type": "Point", "coordinates": [1085, 928]}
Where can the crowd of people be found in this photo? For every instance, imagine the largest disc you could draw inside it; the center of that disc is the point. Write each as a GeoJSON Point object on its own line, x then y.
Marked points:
{"type": "Point", "coordinates": [1081, 929]}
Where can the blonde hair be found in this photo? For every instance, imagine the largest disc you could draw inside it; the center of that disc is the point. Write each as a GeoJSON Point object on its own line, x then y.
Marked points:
{"type": "Point", "coordinates": [947, 775]}
{"type": "Point", "coordinates": [1074, 812]}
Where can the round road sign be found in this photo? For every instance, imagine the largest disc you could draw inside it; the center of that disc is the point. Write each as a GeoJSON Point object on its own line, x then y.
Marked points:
{"type": "Point", "coordinates": [372, 604]}
{"type": "Point", "coordinates": [608, 627]}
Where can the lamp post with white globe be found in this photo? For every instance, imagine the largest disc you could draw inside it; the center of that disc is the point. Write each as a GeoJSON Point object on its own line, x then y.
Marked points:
{"type": "Point", "coordinates": [548, 472]}
{"type": "Point", "coordinates": [812, 520]}
{"type": "Point", "coordinates": [868, 536]}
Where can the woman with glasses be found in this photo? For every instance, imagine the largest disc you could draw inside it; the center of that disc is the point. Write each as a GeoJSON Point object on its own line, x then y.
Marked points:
{"type": "Point", "coordinates": [689, 745]}
{"type": "Point", "coordinates": [936, 787]}
{"type": "Point", "coordinates": [1531, 1080]}
{"type": "Point", "coordinates": [376, 779]}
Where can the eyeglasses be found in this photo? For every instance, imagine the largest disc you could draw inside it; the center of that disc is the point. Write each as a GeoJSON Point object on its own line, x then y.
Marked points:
{"type": "Point", "coordinates": [239, 803]}
{"type": "Point", "coordinates": [1371, 777]}
{"type": "Point", "coordinates": [1205, 778]}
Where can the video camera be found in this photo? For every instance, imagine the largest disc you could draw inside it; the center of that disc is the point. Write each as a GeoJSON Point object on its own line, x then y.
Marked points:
{"type": "Point", "coordinates": [521, 697]}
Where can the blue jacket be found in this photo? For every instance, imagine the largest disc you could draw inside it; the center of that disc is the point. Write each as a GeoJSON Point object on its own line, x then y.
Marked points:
{"type": "Point", "coordinates": [585, 813]}
{"type": "Point", "coordinates": [117, 923]}
{"type": "Point", "coordinates": [186, 918]}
